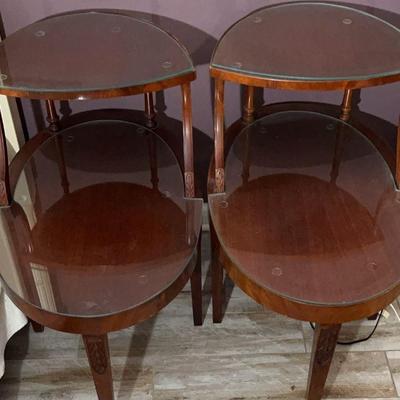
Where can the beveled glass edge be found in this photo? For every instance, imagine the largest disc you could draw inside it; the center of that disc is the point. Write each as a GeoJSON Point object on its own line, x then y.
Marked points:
{"type": "Point", "coordinates": [222, 196]}
{"type": "Point", "coordinates": [302, 78]}
{"type": "Point", "coordinates": [184, 50]}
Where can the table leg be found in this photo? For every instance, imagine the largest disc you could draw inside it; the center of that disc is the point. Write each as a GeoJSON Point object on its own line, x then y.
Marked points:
{"type": "Point", "coordinates": [99, 359]}
{"type": "Point", "coordinates": [217, 278]}
{"type": "Point", "coordinates": [195, 283]}
{"type": "Point", "coordinates": [325, 338]}
{"type": "Point", "coordinates": [36, 326]}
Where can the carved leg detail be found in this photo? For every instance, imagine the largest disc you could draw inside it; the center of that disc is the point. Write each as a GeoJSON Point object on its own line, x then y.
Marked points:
{"type": "Point", "coordinates": [99, 359]}
{"type": "Point", "coordinates": [217, 278]}
{"type": "Point", "coordinates": [325, 338]}
{"type": "Point", "coordinates": [195, 283]}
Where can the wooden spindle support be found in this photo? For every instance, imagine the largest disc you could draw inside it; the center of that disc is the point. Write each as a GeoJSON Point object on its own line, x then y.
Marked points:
{"type": "Point", "coordinates": [188, 140]}
{"type": "Point", "coordinates": [149, 110]}
{"type": "Point", "coordinates": [52, 117]}
{"type": "Point", "coordinates": [219, 136]}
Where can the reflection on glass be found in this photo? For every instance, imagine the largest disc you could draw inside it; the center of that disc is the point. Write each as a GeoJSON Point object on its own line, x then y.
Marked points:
{"type": "Point", "coordinates": [105, 238]}
{"type": "Point", "coordinates": [310, 41]}
{"type": "Point", "coordinates": [113, 52]}
{"type": "Point", "coordinates": [305, 220]}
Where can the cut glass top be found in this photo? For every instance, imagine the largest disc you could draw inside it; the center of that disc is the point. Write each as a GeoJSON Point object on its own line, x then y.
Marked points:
{"type": "Point", "coordinates": [88, 51]}
{"type": "Point", "coordinates": [310, 42]}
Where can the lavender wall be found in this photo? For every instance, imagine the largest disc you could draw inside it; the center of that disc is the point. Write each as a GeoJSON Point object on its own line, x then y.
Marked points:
{"type": "Point", "coordinates": [198, 24]}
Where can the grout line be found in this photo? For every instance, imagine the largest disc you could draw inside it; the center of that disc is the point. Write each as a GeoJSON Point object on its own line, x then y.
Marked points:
{"type": "Point", "coordinates": [390, 372]}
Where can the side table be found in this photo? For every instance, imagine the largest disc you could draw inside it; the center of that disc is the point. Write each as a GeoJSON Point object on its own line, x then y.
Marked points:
{"type": "Point", "coordinates": [102, 224]}
{"type": "Point", "coordinates": [304, 208]}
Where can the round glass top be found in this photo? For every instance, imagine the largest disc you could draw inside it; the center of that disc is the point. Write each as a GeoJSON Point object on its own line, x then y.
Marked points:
{"type": "Point", "coordinates": [310, 210]}
{"type": "Point", "coordinates": [89, 54]}
{"type": "Point", "coordinates": [310, 42]}
{"type": "Point", "coordinates": [99, 222]}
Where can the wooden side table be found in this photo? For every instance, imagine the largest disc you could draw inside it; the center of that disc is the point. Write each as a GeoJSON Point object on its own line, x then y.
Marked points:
{"type": "Point", "coordinates": [304, 208]}
{"type": "Point", "coordinates": [113, 233]}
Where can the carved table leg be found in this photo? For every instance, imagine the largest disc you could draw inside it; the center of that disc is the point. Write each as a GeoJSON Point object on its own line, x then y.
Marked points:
{"type": "Point", "coordinates": [217, 278]}
{"type": "Point", "coordinates": [325, 338]}
{"type": "Point", "coordinates": [99, 360]}
{"type": "Point", "coordinates": [195, 283]}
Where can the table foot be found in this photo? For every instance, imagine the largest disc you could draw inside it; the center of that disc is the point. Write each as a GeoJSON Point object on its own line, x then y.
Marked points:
{"type": "Point", "coordinates": [99, 359]}
{"type": "Point", "coordinates": [325, 338]}
{"type": "Point", "coordinates": [195, 283]}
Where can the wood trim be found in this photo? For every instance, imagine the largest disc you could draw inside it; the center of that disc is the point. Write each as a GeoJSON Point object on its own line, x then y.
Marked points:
{"type": "Point", "coordinates": [103, 93]}
{"type": "Point", "coordinates": [298, 84]}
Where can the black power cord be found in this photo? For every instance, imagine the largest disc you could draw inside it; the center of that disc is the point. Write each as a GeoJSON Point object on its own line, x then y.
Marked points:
{"type": "Point", "coordinates": [358, 340]}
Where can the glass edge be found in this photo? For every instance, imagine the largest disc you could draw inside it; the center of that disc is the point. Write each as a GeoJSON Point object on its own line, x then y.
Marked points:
{"type": "Point", "coordinates": [317, 79]}
{"type": "Point", "coordinates": [85, 91]}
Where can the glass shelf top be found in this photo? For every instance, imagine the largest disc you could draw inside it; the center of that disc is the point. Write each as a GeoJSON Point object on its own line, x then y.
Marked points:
{"type": "Point", "coordinates": [310, 42]}
{"type": "Point", "coordinates": [85, 52]}
{"type": "Point", "coordinates": [310, 210]}
{"type": "Point", "coordinates": [99, 222]}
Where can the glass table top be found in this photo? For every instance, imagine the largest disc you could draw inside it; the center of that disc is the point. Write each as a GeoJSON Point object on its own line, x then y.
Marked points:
{"type": "Point", "coordinates": [88, 51]}
{"type": "Point", "coordinates": [312, 42]}
{"type": "Point", "coordinates": [310, 210]}
{"type": "Point", "coordinates": [99, 222]}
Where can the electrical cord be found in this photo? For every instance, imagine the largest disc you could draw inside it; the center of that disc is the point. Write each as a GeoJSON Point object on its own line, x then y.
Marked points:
{"type": "Point", "coordinates": [358, 340]}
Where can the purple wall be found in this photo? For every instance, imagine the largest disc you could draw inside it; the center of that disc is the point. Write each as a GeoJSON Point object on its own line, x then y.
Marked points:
{"type": "Point", "coordinates": [198, 23]}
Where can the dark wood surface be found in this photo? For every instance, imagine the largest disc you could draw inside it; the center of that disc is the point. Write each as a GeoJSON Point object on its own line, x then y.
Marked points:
{"type": "Point", "coordinates": [308, 46]}
{"type": "Point", "coordinates": [103, 39]}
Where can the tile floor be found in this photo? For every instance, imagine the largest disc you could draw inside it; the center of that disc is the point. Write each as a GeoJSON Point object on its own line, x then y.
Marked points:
{"type": "Point", "coordinates": [254, 354]}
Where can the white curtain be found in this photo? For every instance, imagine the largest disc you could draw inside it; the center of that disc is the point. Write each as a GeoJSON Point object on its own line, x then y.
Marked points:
{"type": "Point", "coordinates": [11, 319]}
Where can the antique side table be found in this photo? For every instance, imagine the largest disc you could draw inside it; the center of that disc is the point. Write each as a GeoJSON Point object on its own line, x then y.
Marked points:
{"type": "Point", "coordinates": [305, 212]}
{"type": "Point", "coordinates": [99, 224]}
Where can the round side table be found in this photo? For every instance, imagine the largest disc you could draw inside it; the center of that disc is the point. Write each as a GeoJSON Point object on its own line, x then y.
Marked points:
{"type": "Point", "coordinates": [304, 208]}
{"type": "Point", "coordinates": [100, 221]}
